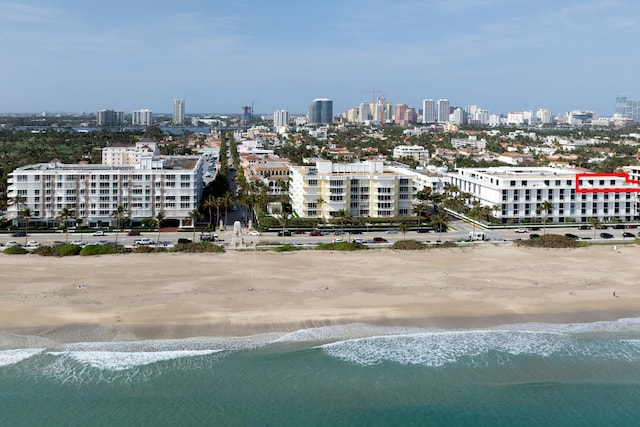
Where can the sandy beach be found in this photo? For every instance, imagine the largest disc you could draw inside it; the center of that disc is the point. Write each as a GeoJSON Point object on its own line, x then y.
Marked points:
{"type": "Point", "coordinates": [150, 296]}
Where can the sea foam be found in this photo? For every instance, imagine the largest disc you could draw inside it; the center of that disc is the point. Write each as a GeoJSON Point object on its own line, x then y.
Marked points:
{"type": "Point", "coordinates": [11, 357]}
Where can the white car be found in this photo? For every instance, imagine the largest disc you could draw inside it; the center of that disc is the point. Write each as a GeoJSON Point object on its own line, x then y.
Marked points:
{"type": "Point", "coordinates": [33, 244]}
{"type": "Point", "coordinates": [144, 241]}
{"type": "Point", "coordinates": [77, 242]}
{"type": "Point", "coordinates": [254, 233]}
{"type": "Point", "coordinates": [12, 243]}
{"type": "Point", "coordinates": [522, 230]}
{"type": "Point", "coordinates": [99, 233]}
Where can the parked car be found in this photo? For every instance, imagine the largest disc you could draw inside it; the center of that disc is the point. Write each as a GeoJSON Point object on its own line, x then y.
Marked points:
{"type": "Point", "coordinates": [299, 232]}
{"type": "Point", "coordinates": [534, 228]}
{"type": "Point", "coordinates": [184, 241]}
{"type": "Point", "coordinates": [380, 240]}
{"type": "Point", "coordinates": [391, 231]}
{"type": "Point", "coordinates": [356, 232]}
{"type": "Point", "coordinates": [33, 244]}
{"type": "Point", "coordinates": [19, 234]}
{"type": "Point", "coordinates": [99, 233]}
{"type": "Point", "coordinates": [12, 243]}
{"type": "Point", "coordinates": [422, 230]}
{"type": "Point", "coordinates": [628, 234]}
{"type": "Point", "coordinates": [606, 236]}
{"type": "Point", "coordinates": [133, 233]}
{"type": "Point", "coordinates": [570, 236]}
{"type": "Point", "coordinates": [144, 241]}
{"type": "Point", "coordinates": [522, 230]}
{"type": "Point", "coordinates": [284, 233]}
{"type": "Point", "coordinates": [618, 227]}
{"type": "Point", "coordinates": [584, 227]}
{"type": "Point", "coordinates": [77, 242]}
{"type": "Point", "coordinates": [254, 233]}
{"type": "Point", "coordinates": [358, 241]}
{"type": "Point", "coordinates": [208, 237]}
{"type": "Point", "coordinates": [534, 236]}
{"type": "Point", "coordinates": [315, 233]}
{"type": "Point", "coordinates": [632, 226]}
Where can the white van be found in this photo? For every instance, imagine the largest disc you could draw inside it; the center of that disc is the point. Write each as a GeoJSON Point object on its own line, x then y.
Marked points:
{"type": "Point", "coordinates": [477, 235]}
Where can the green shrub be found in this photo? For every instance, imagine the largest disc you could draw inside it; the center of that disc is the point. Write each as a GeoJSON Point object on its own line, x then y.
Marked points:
{"type": "Point", "coordinates": [197, 247]}
{"type": "Point", "coordinates": [340, 246]}
{"type": "Point", "coordinates": [549, 241]}
{"type": "Point", "coordinates": [285, 248]}
{"type": "Point", "coordinates": [408, 245]}
{"type": "Point", "coordinates": [90, 250]}
{"type": "Point", "coordinates": [46, 251]}
{"type": "Point", "coordinates": [68, 250]}
{"type": "Point", "coordinates": [16, 250]}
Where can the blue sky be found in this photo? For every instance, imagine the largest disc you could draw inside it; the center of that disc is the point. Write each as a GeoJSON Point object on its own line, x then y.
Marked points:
{"type": "Point", "coordinates": [503, 55]}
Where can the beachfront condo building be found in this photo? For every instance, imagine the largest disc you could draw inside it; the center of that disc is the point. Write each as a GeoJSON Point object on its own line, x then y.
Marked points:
{"type": "Point", "coordinates": [143, 184]}
{"type": "Point", "coordinates": [365, 189]}
{"type": "Point", "coordinates": [517, 192]}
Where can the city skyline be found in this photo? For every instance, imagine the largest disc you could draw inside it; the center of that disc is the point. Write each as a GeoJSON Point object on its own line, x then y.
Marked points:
{"type": "Point", "coordinates": [218, 57]}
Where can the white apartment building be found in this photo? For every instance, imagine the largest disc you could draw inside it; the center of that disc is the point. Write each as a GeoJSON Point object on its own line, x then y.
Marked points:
{"type": "Point", "coordinates": [364, 189]}
{"type": "Point", "coordinates": [414, 152]}
{"type": "Point", "coordinates": [120, 155]}
{"type": "Point", "coordinates": [141, 118]}
{"type": "Point", "coordinates": [428, 111]}
{"type": "Point", "coordinates": [172, 185]}
{"type": "Point", "coordinates": [518, 191]}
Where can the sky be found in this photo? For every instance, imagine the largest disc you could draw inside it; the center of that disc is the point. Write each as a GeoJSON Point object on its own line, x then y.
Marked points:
{"type": "Point", "coordinates": [503, 55]}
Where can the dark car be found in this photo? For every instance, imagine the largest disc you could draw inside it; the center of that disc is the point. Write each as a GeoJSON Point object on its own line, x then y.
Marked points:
{"type": "Point", "coordinates": [534, 228]}
{"type": "Point", "coordinates": [183, 241]}
{"type": "Point", "coordinates": [606, 236]}
{"type": "Point", "coordinates": [284, 233]}
{"type": "Point", "coordinates": [584, 227]}
{"type": "Point", "coordinates": [133, 233]}
{"type": "Point", "coordinates": [356, 232]}
{"type": "Point", "coordinates": [315, 233]}
{"type": "Point", "coordinates": [422, 230]}
{"type": "Point", "coordinates": [19, 234]}
{"type": "Point", "coordinates": [570, 236]}
{"type": "Point", "coordinates": [628, 234]}
{"type": "Point", "coordinates": [380, 240]}
{"type": "Point", "coordinates": [534, 236]}
{"type": "Point", "coordinates": [619, 227]}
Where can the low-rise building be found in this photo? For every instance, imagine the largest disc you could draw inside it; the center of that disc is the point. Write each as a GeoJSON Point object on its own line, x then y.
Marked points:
{"type": "Point", "coordinates": [517, 192]}
{"type": "Point", "coordinates": [171, 184]}
{"type": "Point", "coordinates": [364, 189]}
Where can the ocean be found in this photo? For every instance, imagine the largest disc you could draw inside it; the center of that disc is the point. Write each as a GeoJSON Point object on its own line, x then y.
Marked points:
{"type": "Point", "coordinates": [353, 375]}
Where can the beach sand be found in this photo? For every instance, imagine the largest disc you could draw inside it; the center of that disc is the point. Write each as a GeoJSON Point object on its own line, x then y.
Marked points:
{"type": "Point", "coordinates": [152, 296]}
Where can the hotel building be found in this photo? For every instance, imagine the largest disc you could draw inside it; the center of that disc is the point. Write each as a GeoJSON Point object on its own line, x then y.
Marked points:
{"type": "Point", "coordinates": [518, 191]}
{"type": "Point", "coordinates": [144, 184]}
{"type": "Point", "coordinates": [366, 189]}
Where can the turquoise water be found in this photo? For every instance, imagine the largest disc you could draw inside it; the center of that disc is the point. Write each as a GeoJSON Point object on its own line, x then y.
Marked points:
{"type": "Point", "coordinates": [352, 375]}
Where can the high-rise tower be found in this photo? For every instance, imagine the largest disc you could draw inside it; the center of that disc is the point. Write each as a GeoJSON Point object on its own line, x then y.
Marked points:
{"type": "Point", "coordinates": [443, 110]}
{"type": "Point", "coordinates": [320, 112]}
{"type": "Point", "coordinates": [178, 112]}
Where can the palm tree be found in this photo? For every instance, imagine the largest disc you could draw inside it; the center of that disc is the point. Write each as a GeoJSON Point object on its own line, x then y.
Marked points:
{"type": "Point", "coordinates": [194, 216]}
{"type": "Point", "coordinates": [26, 215]}
{"type": "Point", "coordinates": [544, 208]}
{"type": "Point", "coordinates": [209, 203]}
{"type": "Point", "coordinates": [64, 214]}
{"type": "Point", "coordinates": [120, 215]}
{"type": "Point", "coordinates": [403, 229]}
{"type": "Point", "coordinates": [595, 223]}
{"type": "Point", "coordinates": [319, 202]}
{"type": "Point", "coordinates": [439, 221]}
{"type": "Point", "coordinates": [341, 217]}
{"type": "Point", "coordinates": [160, 216]}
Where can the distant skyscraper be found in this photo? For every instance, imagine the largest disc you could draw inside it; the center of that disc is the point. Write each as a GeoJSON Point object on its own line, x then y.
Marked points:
{"type": "Point", "coordinates": [364, 112]}
{"type": "Point", "coordinates": [320, 112]}
{"type": "Point", "coordinates": [141, 118]}
{"type": "Point", "coordinates": [443, 110]}
{"type": "Point", "coordinates": [428, 111]}
{"type": "Point", "coordinates": [178, 112]}
{"type": "Point", "coordinates": [398, 115]}
{"type": "Point", "coordinates": [280, 119]}
{"type": "Point", "coordinates": [246, 114]}
{"type": "Point", "coordinates": [628, 108]}
{"type": "Point", "coordinates": [109, 118]}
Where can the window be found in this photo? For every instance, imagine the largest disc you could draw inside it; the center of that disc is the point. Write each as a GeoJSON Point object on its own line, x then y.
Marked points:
{"type": "Point", "coordinates": [313, 183]}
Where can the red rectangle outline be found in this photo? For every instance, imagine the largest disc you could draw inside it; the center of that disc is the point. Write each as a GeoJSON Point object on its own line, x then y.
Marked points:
{"type": "Point", "coordinates": [607, 190]}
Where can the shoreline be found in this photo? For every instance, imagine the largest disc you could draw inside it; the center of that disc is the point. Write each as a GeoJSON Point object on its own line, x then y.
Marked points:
{"type": "Point", "coordinates": [167, 296]}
